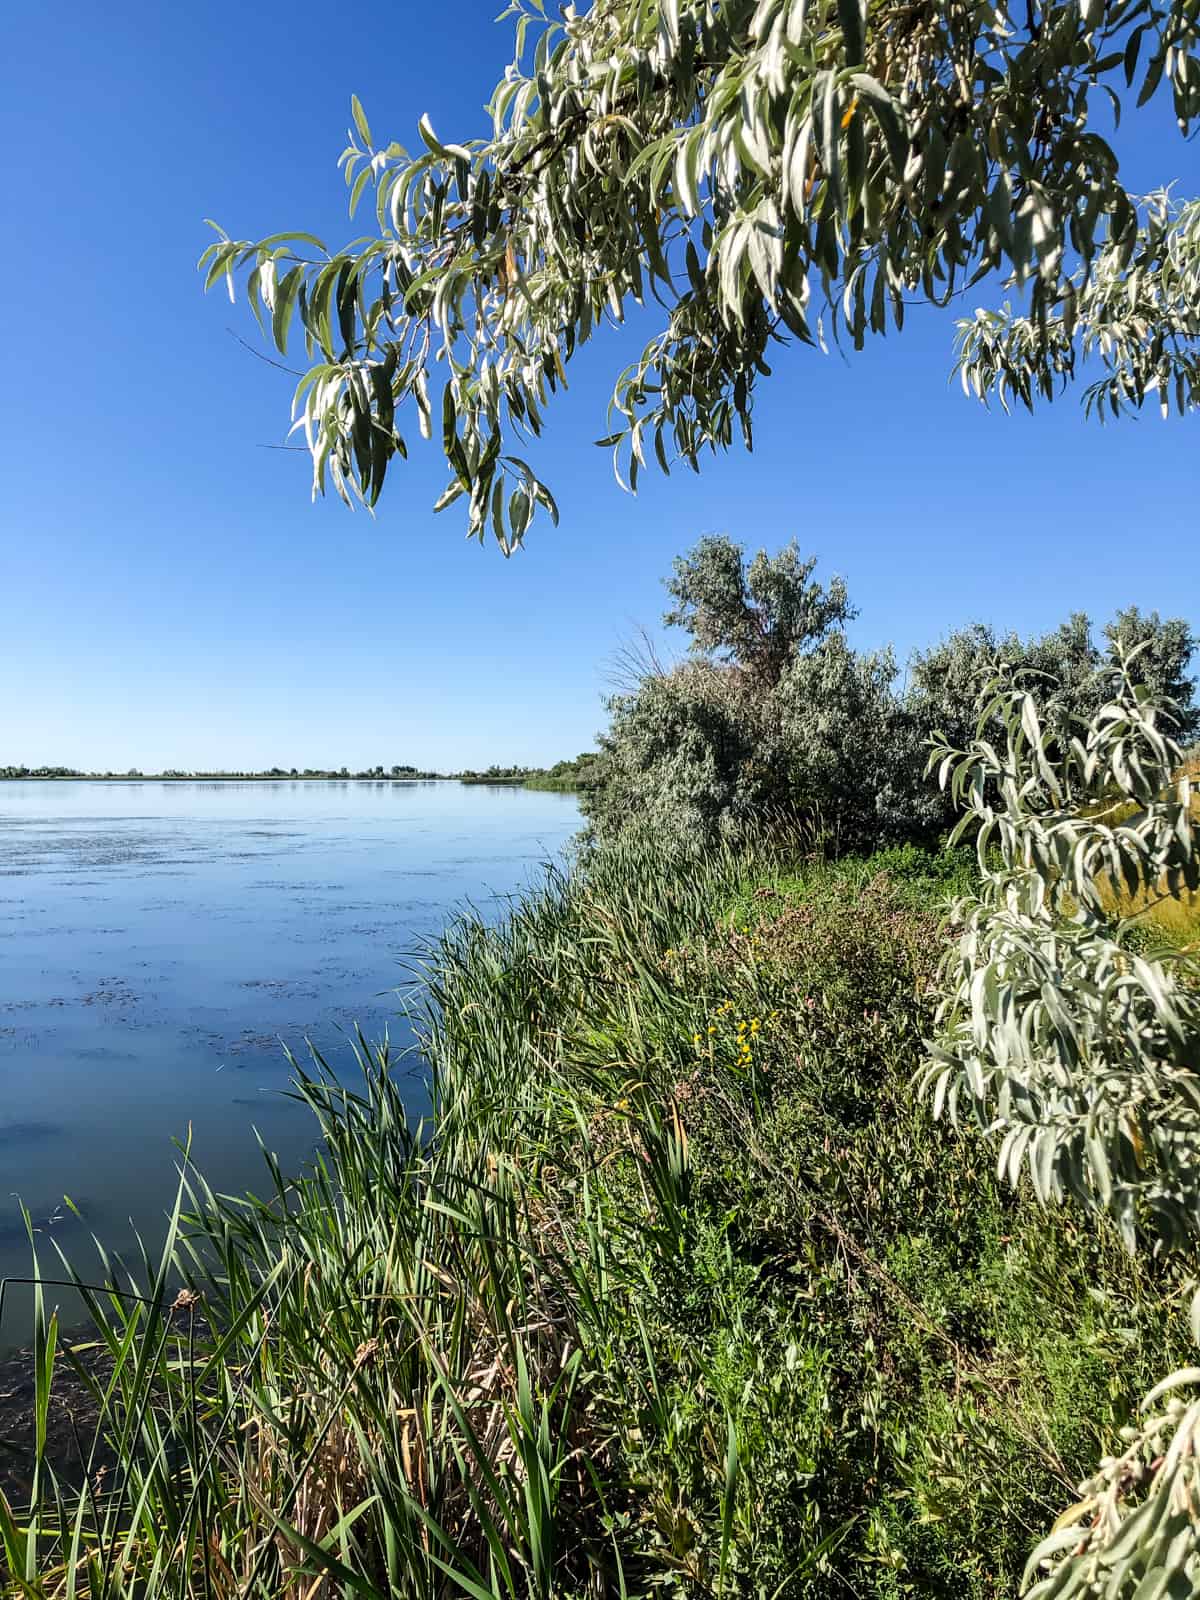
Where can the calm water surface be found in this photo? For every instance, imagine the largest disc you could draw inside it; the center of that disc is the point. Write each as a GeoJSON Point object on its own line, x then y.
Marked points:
{"type": "Point", "coordinates": [159, 942]}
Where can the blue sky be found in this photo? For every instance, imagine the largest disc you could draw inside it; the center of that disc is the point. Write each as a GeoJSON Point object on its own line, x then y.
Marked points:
{"type": "Point", "coordinates": [171, 597]}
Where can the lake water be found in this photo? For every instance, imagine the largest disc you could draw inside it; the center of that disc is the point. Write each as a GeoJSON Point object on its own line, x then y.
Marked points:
{"type": "Point", "coordinates": [160, 942]}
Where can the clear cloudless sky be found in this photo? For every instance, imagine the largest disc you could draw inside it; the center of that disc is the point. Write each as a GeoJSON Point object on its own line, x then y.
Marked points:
{"type": "Point", "coordinates": [172, 598]}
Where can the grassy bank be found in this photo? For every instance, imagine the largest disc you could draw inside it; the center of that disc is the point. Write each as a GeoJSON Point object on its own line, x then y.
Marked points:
{"type": "Point", "coordinates": [682, 1294]}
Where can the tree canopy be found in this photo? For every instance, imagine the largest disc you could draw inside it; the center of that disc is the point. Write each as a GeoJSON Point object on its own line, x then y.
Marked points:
{"type": "Point", "coordinates": [756, 614]}
{"type": "Point", "coordinates": [762, 171]}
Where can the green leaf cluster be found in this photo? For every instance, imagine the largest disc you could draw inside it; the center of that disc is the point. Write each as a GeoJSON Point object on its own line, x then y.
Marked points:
{"type": "Point", "coordinates": [760, 172]}
{"type": "Point", "coordinates": [1077, 1052]}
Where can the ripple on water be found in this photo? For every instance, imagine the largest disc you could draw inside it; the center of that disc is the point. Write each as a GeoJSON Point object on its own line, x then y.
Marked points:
{"type": "Point", "coordinates": [235, 939]}
{"type": "Point", "coordinates": [51, 1217]}
{"type": "Point", "coordinates": [269, 1100]}
{"type": "Point", "coordinates": [21, 1133]}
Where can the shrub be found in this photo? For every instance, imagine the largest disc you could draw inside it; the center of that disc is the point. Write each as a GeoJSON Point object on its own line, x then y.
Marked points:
{"type": "Point", "coordinates": [774, 716]}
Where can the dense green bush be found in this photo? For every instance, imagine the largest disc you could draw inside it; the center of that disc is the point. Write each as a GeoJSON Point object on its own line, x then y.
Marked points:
{"type": "Point", "coordinates": [681, 760]}
{"type": "Point", "coordinates": [773, 714]}
{"type": "Point", "coordinates": [568, 776]}
{"type": "Point", "coordinates": [1067, 670]}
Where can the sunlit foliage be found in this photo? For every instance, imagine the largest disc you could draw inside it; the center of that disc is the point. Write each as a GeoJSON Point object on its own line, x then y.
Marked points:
{"type": "Point", "coordinates": [758, 171]}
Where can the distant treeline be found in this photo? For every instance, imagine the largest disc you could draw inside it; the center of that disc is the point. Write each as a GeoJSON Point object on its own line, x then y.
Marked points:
{"type": "Point", "coordinates": [378, 773]}
{"type": "Point", "coordinates": [496, 774]}
{"type": "Point", "coordinates": [41, 772]}
{"type": "Point", "coordinates": [566, 775]}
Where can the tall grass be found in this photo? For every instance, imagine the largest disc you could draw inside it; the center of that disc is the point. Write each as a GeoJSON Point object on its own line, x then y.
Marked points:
{"type": "Point", "coordinates": [373, 1374]}
{"type": "Point", "coordinates": [368, 1376]}
{"type": "Point", "coordinates": [676, 1292]}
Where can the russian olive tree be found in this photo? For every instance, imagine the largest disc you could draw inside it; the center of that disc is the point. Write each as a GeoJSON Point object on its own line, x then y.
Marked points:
{"type": "Point", "coordinates": [1078, 1049]}
{"type": "Point", "coordinates": [758, 171]}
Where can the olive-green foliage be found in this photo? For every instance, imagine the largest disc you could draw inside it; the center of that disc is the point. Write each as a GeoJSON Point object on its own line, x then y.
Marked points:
{"type": "Point", "coordinates": [1126, 315]}
{"type": "Point", "coordinates": [682, 1294]}
{"type": "Point", "coordinates": [851, 757]}
{"type": "Point", "coordinates": [774, 714]}
{"type": "Point", "coordinates": [757, 614]}
{"type": "Point", "coordinates": [681, 758]}
{"type": "Point", "coordinates": [750, 170]}
{"type": "Point", "coordinates": [1077, 1048]}
{"type": "Point", "coordinates": [1066, 668]}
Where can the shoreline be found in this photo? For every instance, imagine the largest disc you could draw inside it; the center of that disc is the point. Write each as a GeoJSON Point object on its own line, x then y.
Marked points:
{"type": "Point", "coordinates": [233, 777]}
{"type": "Point", "coordinates": [71, 1418]}
{"type": "Point", "coordinates": [222, 777]}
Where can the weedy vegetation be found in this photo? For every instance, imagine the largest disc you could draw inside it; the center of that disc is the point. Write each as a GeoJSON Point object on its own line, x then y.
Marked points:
{"type": "Point", "coordinates": [680, 1291]}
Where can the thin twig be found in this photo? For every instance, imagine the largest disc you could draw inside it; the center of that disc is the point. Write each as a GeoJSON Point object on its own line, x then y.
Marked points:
{"type": "Point", "coordinates": [295, 371]}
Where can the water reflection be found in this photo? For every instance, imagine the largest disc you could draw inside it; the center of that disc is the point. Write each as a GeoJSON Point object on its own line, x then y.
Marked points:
{"type": "Point", "coordinates": [160, 944]}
